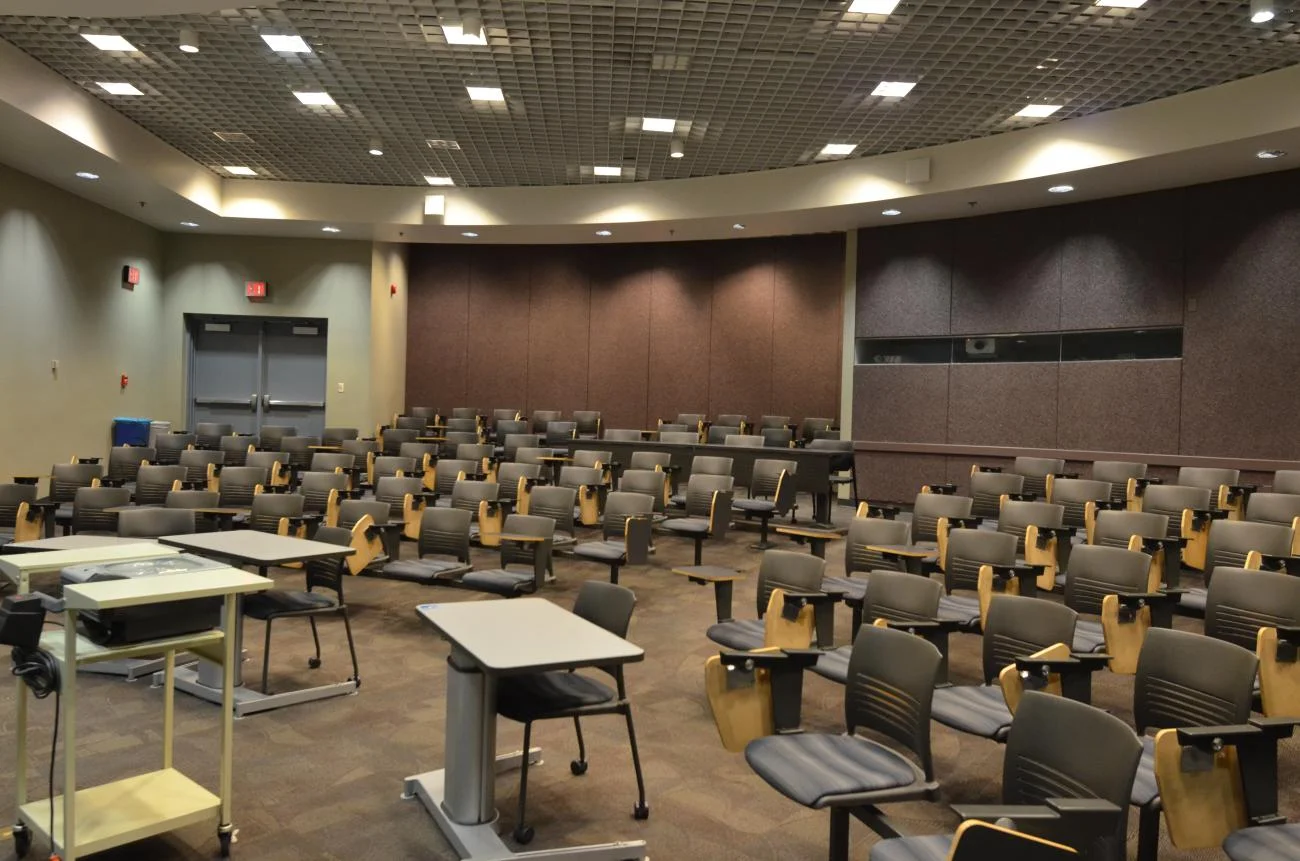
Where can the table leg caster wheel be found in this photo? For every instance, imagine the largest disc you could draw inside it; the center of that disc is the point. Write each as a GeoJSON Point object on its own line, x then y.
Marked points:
{"type": "Point", "coordinates": [314, 663]}
{"type": "Point", "coordinates": [578, 767]}
{"type": "Point", "coordinates": [22, 841]}
{"type": "Point", "coordinates": [641, 812]}
{"type": "Point", "coordinates": [524, 834]}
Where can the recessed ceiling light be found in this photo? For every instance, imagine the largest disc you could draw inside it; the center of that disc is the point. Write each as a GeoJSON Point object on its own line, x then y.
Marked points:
{"type": "Point", "coordinates": [108, 42]}
{"type": "Point", "coordinates": [1061, 189]}
{"type": "Point", "coordinates": [329, 229]}
{"type": "Point", "coordinates": [188, 42]}
{"type": "Point", "coordinates": [1270, 153]}
{"type": "Point", "coordinates": [893, 89]}
{"type": "Point", "coordinates": [873, 7]}
{"type": "Point", "coordinates": [469, 234]}
{"type": "Point", "coordinates": [1038, 111]}
{"type": "Point", "coordinates": [85, 174]}
{"type": "Point", "coordinates": [456, 34]}
{"type": "Point", "coordinates": [376, 147]}
{"type": "Point", "coordinates": [658, 124]}
{"type": "Point", "coordinates": [239, 170]}
{"type": "Point", "coordinates": [286, 44]}
{"type": "Point", "coordinates": [486, 94]}
{"type": "Point", "coordinates": [892, 212]}
{"type": "Point", "coordinates": [607, 170]}
{"type": "Point", "coordinates": [1261, 11]}
{"type": "Point", "coordinates": [737, 226]}
{"type": "Point", "coordinates": [439, 180]}
{"type": "Point", "coordinates": [677, 149]}
{"type": "Point", "coordinates": [314, 98]}
{"type": "Point", "coordinates": [604, 233]}
{"type": "Point", "coordinates": [441, 143]}
{"type": "Point", "coordinates": [838, 149]}
{"type": "Point", "coordinates": [120, 89]}
{"type": "Point", "coordinates": [189, 224]}
{"type": "Point", "coordinates": [1122, 4]}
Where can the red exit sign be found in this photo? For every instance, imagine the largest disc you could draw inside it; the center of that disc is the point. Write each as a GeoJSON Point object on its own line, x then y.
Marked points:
{"type": "Point", "coordinates": [130, 276]}
{"type": "Point", "coordinates": [255, 291]}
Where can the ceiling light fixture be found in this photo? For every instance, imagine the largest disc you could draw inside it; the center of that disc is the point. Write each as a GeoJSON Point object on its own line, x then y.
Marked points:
{"type": "Point", "coordinates": [834, 149]}
{"type": "Point", "coordinates": [85, 174]}
{"type": "Point", "coordinates": [1261, 11]}
{"type": "Point", "coordinates": [486, 94]}
{"type": "Point", "coordinates": [467, 32]}
{"type": "Point", "coordinates": [286, 44]}
{"type": "Point", "coordinates": [119, 88]}
{"type": "Point", "coordinates": [891, 212]}
{"type": "Point", "coordinates": [893, 89]}
{"type": "Point", "coordinates": [316, 98]}
{"type": "Point", "coordinates": [607, 170]}
{"type": "Point", "coordinates": [677, 148]}
{"type": "Point", "coordinates": [1038, 111]}
{"type": "Point", "coordinates": [108, 42]}
{"type": "Point", "coordinates": [658, 124]}
{"type": "Point", "coordinates": [239, 170]}
{"type": "Point", "coordinates": [1270, 153]}
{"type": "Point", "coordinates": [737, 226]}
{"type": "Point", "coordinates": [604, 233]}
{"type": "Point", "coordinates": [376, 147]}
{"type": "Point", "coordinates": [469, 234]}
{"type": "Point", "coordinates": [189, 41]}
{"type": "Point", "coordinates": [189, 224]}
{"type": "Point", "coordinates": [439, 180]}
{"type": "Point", "coordinates": [1061, 189]}
{"type": "Point", "coordinates": [1122, 4]}
{"type": "Point", "coordinates": [873, 7]}
{"type": "Point", "coordinates": [328, 229]}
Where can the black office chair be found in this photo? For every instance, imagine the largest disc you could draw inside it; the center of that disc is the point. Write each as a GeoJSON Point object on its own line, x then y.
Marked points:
{"type": "Point", "coordinates": [322, 574]}
{"type": "Point", "coordinates": [625, 533]}
{"type": "Point", "coordinates": [708, 511]}
{"type": "Point", "coordinates": [559, 694]}
{"type": "Point", "coordinates": [442, 548]}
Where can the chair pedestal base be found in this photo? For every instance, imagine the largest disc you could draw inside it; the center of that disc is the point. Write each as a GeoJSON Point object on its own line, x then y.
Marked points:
{"type": "Point", "coordinates": [249, 701]}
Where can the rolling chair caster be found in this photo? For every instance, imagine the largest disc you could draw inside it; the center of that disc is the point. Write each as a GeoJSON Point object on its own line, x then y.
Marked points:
{"type": "Point", "coordinates": [524, 834]}
{"type": "Point", "coordinates": [22, 841]}
{"type": "Point", "coordinates": [578, 767]}
{"type": "Point", "coordinates": [641, 812]}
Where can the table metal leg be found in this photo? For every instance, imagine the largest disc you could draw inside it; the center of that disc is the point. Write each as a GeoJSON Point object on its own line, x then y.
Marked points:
{"type": "Point", "coordinates": [722, 590]}
{"type": "Point", "coordinates": [471, 743]}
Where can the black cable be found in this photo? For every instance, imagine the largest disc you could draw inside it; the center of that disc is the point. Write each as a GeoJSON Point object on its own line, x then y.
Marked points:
{"type": "Point", "coordinates": [40, 672]}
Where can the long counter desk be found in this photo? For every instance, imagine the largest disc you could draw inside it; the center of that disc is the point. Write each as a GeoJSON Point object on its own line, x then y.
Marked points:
{"type": "Point", "coordinates": [812, 470]}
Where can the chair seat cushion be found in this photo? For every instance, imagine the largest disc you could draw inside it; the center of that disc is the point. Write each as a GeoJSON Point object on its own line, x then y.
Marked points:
{"type": "Point", "coordinates": [424, 570]}
{"type": "Point", "coordinates": [976, 709]}
{"type": "Point", "coordinates": [854, 588]}
{"type": "Point", "coordinates": [742, 634]}
{"type": "Point", "coordinates": [261, 605]}
{"type": "Point", "coordinates": [562, 539]}
{"type": "Point", "coordinates": [499, 581]}
{"type": "Point", "coordinates": [1088, 637]}
{"type": "Point", "coordinates": [1144, 784]}
{"type": "Point", "coordinates": [931, 847]}
{"type": "Point", "coordinates": [814, 768]}
{"type": "Point", "coordinates": [601, 551]}
{"type": "Point", "coordinates": [1264, 843]}
{"type": "Point", "coordinates": [530, 697]}
{"type": "Point", "coordinates": [834, 665]}
{"type": "Point", "coordinates": [1193, 599]}
{"type": "Point", "coordinates": [688, 526]}
{"type": "Point", "coordinates": [755, 506]}
{"type": "Point", "coordinates": [63, 514]}
{"type": "Point", "coordinates": [965, 611]}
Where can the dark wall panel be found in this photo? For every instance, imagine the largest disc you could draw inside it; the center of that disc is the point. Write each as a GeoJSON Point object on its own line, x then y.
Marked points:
{"type": "Point", "coordinates": [901, 403]}
{"type": "Point", "coordinates": [619, 364]}
{"type": "Point", "coordinates": [807, 322]}
{"type": "Point", "coordinates": [559, 320]}
{"type": "Point", "coordinates": [1120, 406]}
{"type": "Point", "coordinates": [1003, 405]}
{"type": "Point", "coordinates": [1122, 262]}
{"type": "Point", "coordinates": [437, 333]}
{"type": "Point", "coordinates": [740, 351]}
{"type": "Point", "coordinates": [905, 280]}
{"type": "Point", "coordinates": [898, 477]}
{"type": "Point", "coordinates": [1006, 273]}
{"type": "Point", "coordinates": [680, 326]}
{"type": "Point", "coordinates": [497, 349]}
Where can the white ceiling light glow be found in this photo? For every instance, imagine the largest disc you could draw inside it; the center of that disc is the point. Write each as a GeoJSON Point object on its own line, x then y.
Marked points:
{"type": "Point", "coordinates": [1038, 111]}
{"type": "Point", "coordinates": [322, 99]}
{"type": "Point", "coordinates": [873, 7]}
{"type": "Point", "coordinates": [737, 226]}
{"type": "Point", "coordinates": [677, 148]}
{"type": "Point", "coordinates": [658, 124]}
{"type": "Point", "coordinates": [328, 229]}
{"type": "Point", "coordinates": [1122, 4]}
{"type": "Point", "coordinates": [189, 224]}
{"type": "Point", "coordinates": [834, 149]}
{"type": "Point", "coordinates": [1269, 153]}
{"type": "Point", "coordinates": [85, 174]}
{"type": "Point", "coordinates": [604, 233]}
{"type": "Point", "coordinates": [108, 42]}
{"type": "Point", "coordinates": [239, 170]}
{"type": "Point", "coordinates": [469, 234]}
{"type": "Point", "coordinates": [486, 94]}
{"type": "Point", "coordinates": [376, 147]}
{"type": "Point", "coordinates": [1061, 189]}
{"type": "Point", "coordinates": [119, 89]}
{"type": "Point", "coordinates": [607, 170]}
{"type": "Point", "coordinates": [467, 32]}
{"type": "Point", "coordinates": [439, 180]}
{"type": "Point", "coordinates": [289, 44]}
{"type": "Point", "coordinates": [893, 89]}
{"type": "Point", "coordinates": [892, 212]}
{"type": "Point", "coordinates": [1261, 11]}
{"type": "Point", "coordinates": [188, 41]}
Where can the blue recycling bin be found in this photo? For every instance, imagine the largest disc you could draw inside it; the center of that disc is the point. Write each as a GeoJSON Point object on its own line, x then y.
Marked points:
{"type": "Point", "coordinates": [130, 431]}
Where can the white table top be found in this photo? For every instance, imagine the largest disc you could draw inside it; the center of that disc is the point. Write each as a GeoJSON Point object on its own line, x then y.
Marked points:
{"type": "Point", "coordinates": [17, 565]}
{"type": "Point", "coordinates": [255, 548]}
{"type": "Point", "coordinates": [135, 591]}
{"type": "Point", "coordinates": [526, 635]}
{"type": "Point", "coordinates": [77, 542]}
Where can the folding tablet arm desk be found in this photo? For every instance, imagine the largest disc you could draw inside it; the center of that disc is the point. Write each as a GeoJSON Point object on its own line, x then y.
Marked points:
{"type": "Point", "coordinates": [133, 808]}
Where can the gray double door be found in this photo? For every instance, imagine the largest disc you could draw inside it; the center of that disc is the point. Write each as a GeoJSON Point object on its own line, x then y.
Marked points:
{"type": "Point", "coordinates": [255, 371]}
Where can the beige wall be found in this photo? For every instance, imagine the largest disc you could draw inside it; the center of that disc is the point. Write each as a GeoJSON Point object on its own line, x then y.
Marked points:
{"type": "Point", "coordinates": [387, 328]}
{"type": "Point", "coordinates": [61, 299]}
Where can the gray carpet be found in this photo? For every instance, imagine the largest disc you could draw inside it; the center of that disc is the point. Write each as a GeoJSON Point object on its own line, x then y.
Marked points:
{"type": "Point", "coordinates": [323, 780]}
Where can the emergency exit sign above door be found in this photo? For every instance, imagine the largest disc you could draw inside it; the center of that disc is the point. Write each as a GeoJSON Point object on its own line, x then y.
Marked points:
{"type": "Point", "coordinates": [255, 291]}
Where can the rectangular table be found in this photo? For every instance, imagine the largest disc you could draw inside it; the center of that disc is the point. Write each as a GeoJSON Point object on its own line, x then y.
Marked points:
{"type": "Point", "coordinates": [491, 639]}
{"type": "Point", "coordinates": [72, 542]}
{"type": "Point", "coordinates": [263, 550]}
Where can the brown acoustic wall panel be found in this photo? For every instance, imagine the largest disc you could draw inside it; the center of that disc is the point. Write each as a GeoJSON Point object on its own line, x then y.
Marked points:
{"type": "Point", "coordinates": [901, 403]}
{"type": "Point", "coordinates": [559, 322]}
{"type": "Point", "coordinates": [890, 477]}
{"type": "Point", "coordinates": [680, 326]}
{"type": "Point", "coordinates": [740, 345]}
{"type": "Point", "coordinates": [807, 321]}
{"type": "Point", "coordinates": [618, 365]}
{"type": "Point", "coordinates": [1012, 404]}
{"type": "Point", "coordinates": [437, 331]}
{"type": "Point", "coordinates": [1006, 273]}
{"type": "Point", "coordinates": [1120, 406]}
{"type": "Point", "coordinates": [904, 280]}
{"type": "Point", "coordinates": [497, 351]}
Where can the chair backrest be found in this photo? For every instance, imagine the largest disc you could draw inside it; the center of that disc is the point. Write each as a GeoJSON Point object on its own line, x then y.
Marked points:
{"type": "Point", "coordinates": [899, 597]}
{"type": "Point", "coordinates": [558, 433]}
{"type": "Point", "coordinates": [450, 469]}
{"type": "Point", "coordinates": [1074, 494]}
{"type": "Point", "coordinates": [531, 454]}
{"type": "Point", "coordinates": [236, 448]}
{"type": "Point", "coordinates": [1186, 679]}
{"type": "Point", "coordinates": [1278, 508]}
{"type": "Point", "coordinates": [196, 462]}
{"type": "Point", "coordinates": [1232, 540]}
{"type": "Point", "coordinates": [445, 532]}
{"type": "Point", "coordinates": [649, 459]}
{"type": "Point", "coordinates": [268, 508]}
{"type": "Point", "coordinates": [12, 496]}
{"type": "Point", "coordinates": [745, 440]}
{"type": "Point", "coordinates": [170, 446]}
{"type": "Point", "coordinates": [890, 688]}
{"type": "Point", "coordinates": [773, 421]}
{"type": "Point", "coordinates": [811, 426]}
{"type": "Point", "coordinates": [619, 506]}
{"type": "Point", "coordinates": [506, 414]}
{"type": "Point", "coordinates": [987, 488]}
{"type": "Point", "coordinates": [1171, 499]}
{"type": "Point", "coordinates": [699, 492]}
{"type": "Point", "coordinates": [209, 434]}
{"type": "Point", "coordinates": [867, 531]}
{"type": "Point", "coordinates": [509, 427]}
{"type": "Point", "coordinates": [1044, 759]}
{"type": "Point", "coordinates": [352, 510]}
{"type": "Point", "coordinates": [315, 488]}
{"type": "Point", "coordinates": [679, 437]}
{"type": "Point", "coordinates": [186, 499]}
{"type": "Point", "coordinates": [785, 569]}
{"type": "Point", "coordinates": [622, 434]}
{"type": "Point", "coordinates": [554, 503]}
{"type": "Point", "coordinates": [394, 490]}
{"type": "Point", "coordinates": [541, 418]}
{"type": "Point", "coordinates": [1097, 571]}
{"type": "Point", "coordinates": [929, 507]}
{"type": "Point", "coordinates": [462, 425]}
{"type": "Point", "coordinates": [359, 448]}
{"type": "Point", "coordinates": [608, 606]}
{"type": "Point", "coordinates": [1115, 528]}
{"type": "Point", "coordinates": [299, 449]}
{"type": "Point", "coordinates": [777, 437]}
{"type": "Point", "coordinates": [335, 436]}
{"type": "Point", "coordinates": [67, 478]}
{"type": "Point", "coordinates": [328, 572]}
{"type": "Point", "coordinates": [588, 421]}
{"type": "Point", "coordinates": [1118, 472]}
{"type": "Point", "coordinates": [650, 482]}
{"type": "Point", "coordinates": [153, 483]}
{"type": "Point", "coordinates": [155, 522]}
{"type": "Point", "coordinates": [767, 475]}
{"type": "Point", "coordinates": [389, 464]}
{"type": "Point", "coordinates": [735, 420]}
{"type": "Point", "coordinates": [1035, 470]}
{"type": "Point", "coordinates": [536, 554]}
{"type": "Point", "coordinates": [426, 412]}
{"type": "Point", "coordinates": [1208, 477]}
{"type": "Point", "coordinates": [508, 475]}
{"type": "Point", "coordinates": [466, 494]}
{"type": "Point", "coordinates": [1286, 481]}
{"type": "Point", "coordinates": [269, 436]}
{"type": "Point", "coordinates": [466, 413]}
{"type": "Point", "coordinates": [717, 434]}
{"type": "Point", "coordinates": [266, 460]}
{"type": "Point", "coordinates": [1240, 602]}
{"type": "Point", "coordinates": [841, 462]}
{"type": "Point", "coordinates": [1017, 516]}
{"type": "Point", "coordinates": [589, 457]}
{"type": "Point", "coordinates": [415, 423]}
{"type": "Point", "coordinates": [328, 461]}
{"type": "Point", "coordinates": [124, 461]}
{"type": "Point", "coordinates": [475, 451]}
{"type": "Point", "coordinates": [968, 549]}
{"type": "Point", "coordinates": [690, 420]}
{"type": "Point", "coordinates": [238, 484]}
{"type": "Point", "coordinates": [1017, 626]}
{"type": "Point", "coordinates": [394, 437]}
{"type": "Point", "coordinates": [703, 464]}
{"type": "Point", "coordinates": [88, 514]}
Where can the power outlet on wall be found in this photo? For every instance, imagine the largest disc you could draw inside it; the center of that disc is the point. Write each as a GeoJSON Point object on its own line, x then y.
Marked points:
{"type": "Point", "coordinates": [340, 388]}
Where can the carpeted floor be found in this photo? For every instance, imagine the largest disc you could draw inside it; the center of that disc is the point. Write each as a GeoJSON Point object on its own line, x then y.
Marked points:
{"type": "Point", "coordinates": [323, 780]}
